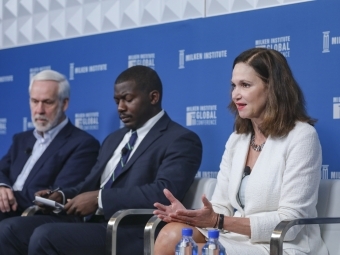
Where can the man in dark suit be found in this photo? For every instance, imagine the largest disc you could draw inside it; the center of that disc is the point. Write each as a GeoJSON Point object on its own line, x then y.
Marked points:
{"type": "Point", "coordinates": [54, 154]}
{"type": "Point", "coordinates": [160, 154]}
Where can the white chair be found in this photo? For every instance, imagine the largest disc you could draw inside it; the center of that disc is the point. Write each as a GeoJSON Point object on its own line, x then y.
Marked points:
{"type": "Point", "coordinates": [192, 200]}
{"type": "Point", "coordinates": [328, 208]}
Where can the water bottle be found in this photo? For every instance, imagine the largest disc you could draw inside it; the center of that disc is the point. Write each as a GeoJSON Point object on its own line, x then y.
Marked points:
{"type": "Point", "coordinates": [213, 246]}
{"type": "Point", "coordinates": [187, 245]}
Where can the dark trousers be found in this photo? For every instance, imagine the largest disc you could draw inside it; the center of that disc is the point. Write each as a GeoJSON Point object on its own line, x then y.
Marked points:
{"type": "Point", "coordinates": [17, 232]}
{"type": "Point", "coordinates": [65, 235]}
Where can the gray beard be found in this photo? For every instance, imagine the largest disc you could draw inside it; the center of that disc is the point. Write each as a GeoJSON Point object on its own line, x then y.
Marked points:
{"type": "Point", "coordinates": [50, 124]}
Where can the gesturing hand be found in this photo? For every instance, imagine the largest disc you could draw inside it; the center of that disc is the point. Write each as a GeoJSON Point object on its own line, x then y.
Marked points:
{"type": "Point", "coordinates": [7, 200]}
{"type": "Point", "coordinates": [164, 211]}
{"type": "Point", "coordinates": [83, 204]}
{"type": "Point", "coordinates": [204, 217]}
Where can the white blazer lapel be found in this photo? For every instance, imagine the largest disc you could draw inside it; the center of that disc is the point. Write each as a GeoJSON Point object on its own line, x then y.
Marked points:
{"type": "Point", "coordinates": [237, 168]}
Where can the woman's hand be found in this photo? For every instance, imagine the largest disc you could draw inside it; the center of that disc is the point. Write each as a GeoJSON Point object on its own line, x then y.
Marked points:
{"type": "Point", "coordinates": [176, 212]}
{"type": "Point", "coordinates": [164, 211]}
{"type": "Point", "coordinates": [204, 217]}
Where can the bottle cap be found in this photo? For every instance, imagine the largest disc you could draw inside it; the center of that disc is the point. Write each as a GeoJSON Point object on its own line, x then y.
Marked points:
{"type": "Point", "coordinates": [187, 232]}
{"type": "Point", "coordinates": [213, 233]}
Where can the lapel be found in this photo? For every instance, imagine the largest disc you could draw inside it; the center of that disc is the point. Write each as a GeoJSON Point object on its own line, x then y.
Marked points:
{"type": "Point", "coordinates": [110, 146]}
{"type": "Point", "coordinates": [24, 144]}
{"type": "Point", "coordinates": [54, 146]}
{"type": "Point", "coordinates": [105, 154]}
{"type": "Point", "coordinates": [238, 164]}
{"type": "Point", "coordinates": [155, 132]}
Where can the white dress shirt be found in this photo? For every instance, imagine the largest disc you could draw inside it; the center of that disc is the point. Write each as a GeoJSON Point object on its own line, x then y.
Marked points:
{"type": "Point", "coordinates": [112, 163]}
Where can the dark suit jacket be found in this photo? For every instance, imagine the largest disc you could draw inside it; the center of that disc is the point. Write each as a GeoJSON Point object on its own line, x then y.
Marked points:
{"type": "Point", "coordinates": [65, 162]}
{"type": "Point", "coordinates": [168, 157]}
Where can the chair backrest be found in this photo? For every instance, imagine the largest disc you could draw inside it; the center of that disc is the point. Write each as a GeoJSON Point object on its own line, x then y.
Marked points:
{"type": "Point", "coordinates": [329, 206]}
{"type": "Point", "coordinates": [200, 186]}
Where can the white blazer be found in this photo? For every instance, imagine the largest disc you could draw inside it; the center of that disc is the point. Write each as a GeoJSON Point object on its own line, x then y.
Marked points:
{"type": "Point", "coordinates": [283, 184]}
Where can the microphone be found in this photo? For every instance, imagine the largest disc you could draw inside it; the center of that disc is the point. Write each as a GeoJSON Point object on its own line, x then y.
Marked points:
{"type": "Point", "coordinates": [246, 171]}
{"type": "Point", "coordinates": [28, 151]}
{"type": "Point", "coordinates": [124, 151]}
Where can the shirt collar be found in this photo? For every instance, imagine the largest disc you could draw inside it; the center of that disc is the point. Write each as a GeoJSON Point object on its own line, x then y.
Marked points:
{"type": "Point", "coordinates": [142, 131]}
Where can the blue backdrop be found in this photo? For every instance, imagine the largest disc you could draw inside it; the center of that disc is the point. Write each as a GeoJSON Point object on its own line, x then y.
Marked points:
{"type": "Point", "coordinates": [193, 59]}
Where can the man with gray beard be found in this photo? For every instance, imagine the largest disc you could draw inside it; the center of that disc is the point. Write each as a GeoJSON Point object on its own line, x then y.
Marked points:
{"type": "Point", "coordinates": [55, 155]}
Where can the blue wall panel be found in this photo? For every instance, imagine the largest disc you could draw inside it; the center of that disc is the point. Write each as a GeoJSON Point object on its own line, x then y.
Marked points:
{"type": "Point", "coordinates": [193, 59]}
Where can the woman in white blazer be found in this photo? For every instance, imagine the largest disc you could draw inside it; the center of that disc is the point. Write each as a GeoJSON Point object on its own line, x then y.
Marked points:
{"type": "Point", "coordinates": [270, 169]}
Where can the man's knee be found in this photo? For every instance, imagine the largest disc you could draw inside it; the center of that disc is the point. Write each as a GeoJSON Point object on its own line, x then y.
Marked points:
{"type": "Point", "coordinates": [10, 241]}
{"type": "Point", "coordinates": [7, 229]}
{"type": "Point", "coordinates": [42, 239]}
{"type": "Point", "coordinates": [4, 231]}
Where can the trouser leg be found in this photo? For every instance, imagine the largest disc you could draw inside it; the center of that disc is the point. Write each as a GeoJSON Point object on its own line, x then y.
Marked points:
{"type": "Point", "coordinates": [15, 232]}
{"type": "Point", "coordinates": [68, 239]}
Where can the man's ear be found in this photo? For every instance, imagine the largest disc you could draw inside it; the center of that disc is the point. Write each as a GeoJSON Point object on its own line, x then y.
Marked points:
{"type": "Point", "coordinates": [65, 104]}
{"type": "Point", "coordinates": [154, 97]}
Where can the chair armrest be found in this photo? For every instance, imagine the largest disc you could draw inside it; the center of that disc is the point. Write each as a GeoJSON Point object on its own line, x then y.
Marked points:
{"type": "Point", "coordinates": [281, 229]}
{"type": "Point", "coordinates": [112, 226]}
{"type": "Point", "coordinates": [149, 234]}
{"type": "Point", "coordinates": [30, 211]}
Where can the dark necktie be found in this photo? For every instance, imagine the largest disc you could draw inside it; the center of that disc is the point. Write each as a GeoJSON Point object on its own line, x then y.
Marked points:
{"type": "Point", "coordinates": [125, 153]}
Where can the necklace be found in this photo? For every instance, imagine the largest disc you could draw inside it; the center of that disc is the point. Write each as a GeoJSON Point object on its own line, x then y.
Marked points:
{"type": "Point", "coordinates": [254, 146]}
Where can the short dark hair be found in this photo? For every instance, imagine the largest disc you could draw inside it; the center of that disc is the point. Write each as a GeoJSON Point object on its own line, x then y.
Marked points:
{"type": "Point", "coordinates": [145, 78]}
{"type": "Point", "coordinates": [285, 104]}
